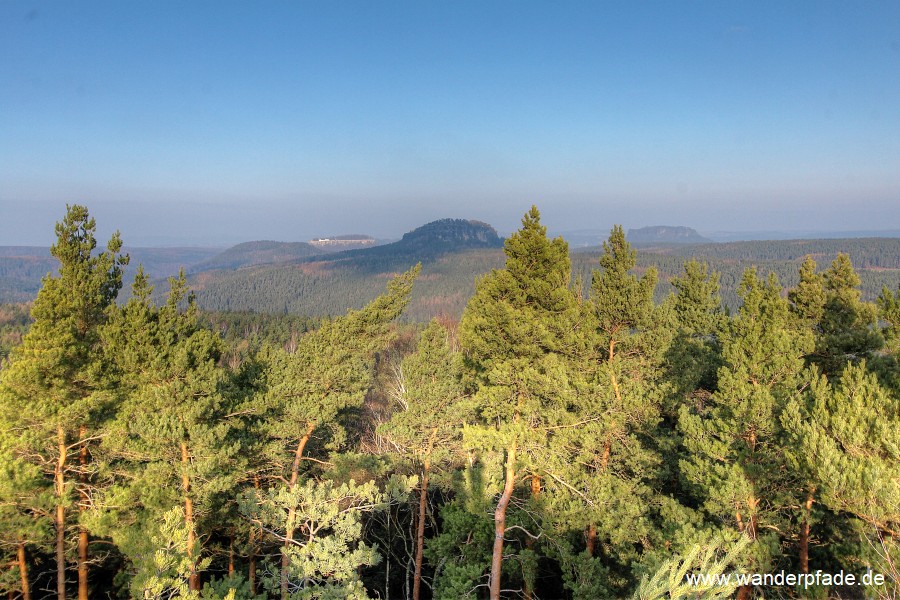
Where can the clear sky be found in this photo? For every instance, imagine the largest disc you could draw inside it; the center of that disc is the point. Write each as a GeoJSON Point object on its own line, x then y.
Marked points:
{"type": "Point", "coordinates": [217, 122]}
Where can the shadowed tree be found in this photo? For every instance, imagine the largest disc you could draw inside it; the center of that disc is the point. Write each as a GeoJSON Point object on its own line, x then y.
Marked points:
{"type": "Point", "coordinates": [427, 428]}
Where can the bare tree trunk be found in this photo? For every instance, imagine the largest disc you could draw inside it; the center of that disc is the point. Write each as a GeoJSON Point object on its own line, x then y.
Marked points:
{"type": "Point", "coordinates": [804, 535]}
{"type": "Point", "coordinates": [60, 519]}
{"type": "Point", "coordinates": [591, 539]}
{"type": "Point", "coordinates": [420, 532]}
{"type": "Point", "coordinates": [231, 556]}
{"type": "Point", "coordinates": [23, 571]}
{"type": "Point", "coordinates": [83, 540]}
{"type": "Point", "coordinates": [251, 571]}
{"type": "Point", "coordinates": [289, 526]}
{"type": "Point", "coordinates": [500, 521]}
{"type": "Point", "coordinates": [194, 576]}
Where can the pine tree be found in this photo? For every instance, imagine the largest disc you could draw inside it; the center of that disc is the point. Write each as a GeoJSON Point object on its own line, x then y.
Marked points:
{"type": "Point", "coordinates": [736, 442]}
{"type": "Point", "coordinates": [518, 333]}
{"type": "Point", "coordinates": [889, 311]}
{"type": "Point", "coordinates": [887, 363]}
{"type": "Point", "coordinates": [55, 392]}
{"type": "Point", "coordinates": [849, 433]}
{"type": "Point", "coordinates": [26, 500]}
{"type": "Point", "coordinates": [329, 373]}
{"type": "Point", "coordinates": [808, 298]}
{"type": "Point", "coordinates": [847, 329]}
{"type": "Point", "coordinates": [324, 562]}
{"type": "Point", "coordinates": [617, 402]}
{"type": "Point", "coordinates": [171, 444]}
{"type": "Point", "coordinates": [695, 355]}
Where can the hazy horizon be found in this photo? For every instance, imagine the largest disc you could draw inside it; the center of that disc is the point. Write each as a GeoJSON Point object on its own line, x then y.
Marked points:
{"type": "Point", "coordinates": [216, 123]}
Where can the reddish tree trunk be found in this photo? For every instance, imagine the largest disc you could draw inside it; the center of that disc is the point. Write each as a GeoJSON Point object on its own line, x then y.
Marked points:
{"type": "Point", "coordinates": [745, 592]}
{"type": "Point", "coordinates": [591, 539]}
{"type": "Point", "coordinates": [289, 527]}
{"type": "Point", "coordinates": [82, 564]}
{"type": "Point", "coordinates": [194, 576]}
{"type": "Point", "coordinates": [82, 532]}
{"type": "Point", "coordinates": [500, 522]}
{"type": "Point", "coordinates": [23, 571]}
{"type": "Point", "coordinates": [804, 536]}
{"type": "Point", "coordinates": [231, 556]}
{"type": "Point", "coordinates": [251, 574]}
{"type": "Point", "coordinates": [60, 519]}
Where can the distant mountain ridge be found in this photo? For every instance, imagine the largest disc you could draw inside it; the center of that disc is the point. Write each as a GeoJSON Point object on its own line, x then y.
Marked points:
{"type": "Point", "coordinates": [289, 277]}
{"type": "Point", "coordinates": [429, 240]}
{"type": "Point", "coordinates": [666, 234]}
{"type": "Point", "coordinates": [447, 234]}
{"type": "Point", "coordinates": [424, 243]}
{"type": "Point", "coordinates": [257, 253]}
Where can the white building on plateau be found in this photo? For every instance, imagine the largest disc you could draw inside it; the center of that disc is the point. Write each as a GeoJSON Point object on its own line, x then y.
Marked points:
{"type": "Point", "coordinates": [344, 240]}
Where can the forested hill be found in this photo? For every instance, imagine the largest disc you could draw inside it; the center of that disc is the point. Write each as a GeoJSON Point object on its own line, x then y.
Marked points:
{"type": "Point", "coordinates": [23, 267]}
{"type": "Point", "coordinates": [257, 253]}
{"type": "Point", "coordinates": [453, 253]}
{"type": "Point", "coordinates": [867, 253]}
{"type": "Point", "coordinates": [427, 242]}
{"type": "Point", "coordinates": [331, 284]}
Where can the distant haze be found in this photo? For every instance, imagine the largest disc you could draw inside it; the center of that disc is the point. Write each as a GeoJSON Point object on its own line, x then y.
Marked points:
{"type": "Point", "coordinates": [213, 123]}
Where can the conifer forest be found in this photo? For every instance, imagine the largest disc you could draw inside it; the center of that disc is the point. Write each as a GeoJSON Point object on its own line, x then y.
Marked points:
{"type": "Point", "coordinates": [573, 435]}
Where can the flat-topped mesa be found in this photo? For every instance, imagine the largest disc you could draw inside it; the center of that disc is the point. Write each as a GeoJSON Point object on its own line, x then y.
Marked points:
{"type": "Point", "coordinates": [665, 234]}
{"type": "Point", "coordinates": [455, 233]}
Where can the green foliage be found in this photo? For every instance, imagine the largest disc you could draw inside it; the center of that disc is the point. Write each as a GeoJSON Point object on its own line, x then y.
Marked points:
{"type": "Point", "coordinates": [429, 394]}
{"type": "Point", "coordinates": [326, 558]}
{"type": "Point", "coordinates": [849, 436]}
{"type": "Point", "coordinates": [171, 443]}
{"type": "Point", "coordinates": [462, 549]}
{"type": "Point", "coordinates": [56, 393]}
{"type": "Point", "coordinates": [518, 334]}
{"type": "Point", "coordinates": [612, 439]}
{"type": "Point", "coordinates": [165, 574]}
{"type": "Point", "coordinates": [14, 322]}
{"type": "Point", "coordinates": [735, 442]}
{"type": "Point", "coordinates": [694, 357]}
{"type": "Point", "coordinates": [621, 301]}
{"type": "Point", "coordinates": [712, 559]}
{"type": "Point", "coordinates": [808, 297]}
{"type": "Point", "coordinates": [847, 330]}
{"type": "Point", "coordinates": [329, 372]}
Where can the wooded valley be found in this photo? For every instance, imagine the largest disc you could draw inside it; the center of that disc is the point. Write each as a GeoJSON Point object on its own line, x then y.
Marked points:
{"type": "Point", "coordinates": [575, 425]}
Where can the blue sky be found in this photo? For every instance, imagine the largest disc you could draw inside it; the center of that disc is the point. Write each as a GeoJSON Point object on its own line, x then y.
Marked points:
{"type": "Point", "coordinates": [217, 122]}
